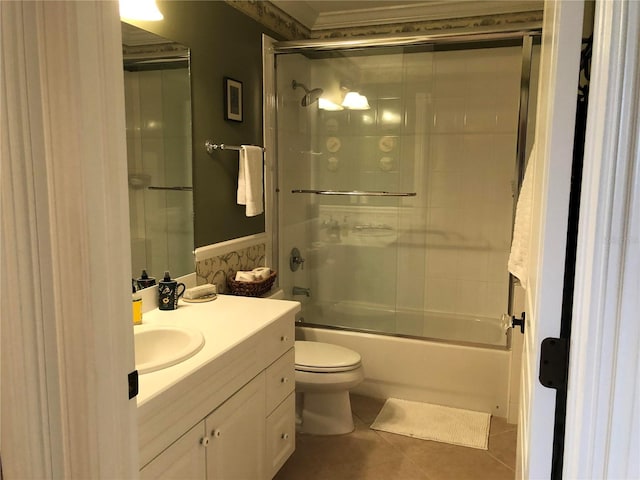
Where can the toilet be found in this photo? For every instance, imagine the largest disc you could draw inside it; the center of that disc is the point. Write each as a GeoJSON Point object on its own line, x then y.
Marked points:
{"type": "Point", "coordinates": [324, 374]}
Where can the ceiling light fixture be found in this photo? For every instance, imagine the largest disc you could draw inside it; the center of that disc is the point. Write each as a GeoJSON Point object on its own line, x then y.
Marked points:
{"type": "Point", "coordinates": [140, 10]}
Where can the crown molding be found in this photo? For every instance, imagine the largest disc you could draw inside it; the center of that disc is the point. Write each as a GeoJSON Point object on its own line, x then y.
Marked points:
{"type": "Point", "coordinates": [420, 12]}
{"type": "Point", "coordinates": [271, 16]}
{"type": "Point", "coordinates": [414, 12]}
{"type": "Point", "coordinates": [301, 11]}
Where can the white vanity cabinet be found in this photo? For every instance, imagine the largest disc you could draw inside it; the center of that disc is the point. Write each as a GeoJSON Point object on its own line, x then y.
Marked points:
{"type": "Point", "coordinates": [234, 418]}
{"type": "Point", "coordinates": [236, 430]}
{"type": "Point", "coordinates": [183, 460]}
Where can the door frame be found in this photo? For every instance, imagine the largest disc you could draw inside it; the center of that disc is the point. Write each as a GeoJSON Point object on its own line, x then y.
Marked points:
{"type": "Point", "coordinates": [603, 421]}
{"type": "Point", "coordinates": [67, 334]}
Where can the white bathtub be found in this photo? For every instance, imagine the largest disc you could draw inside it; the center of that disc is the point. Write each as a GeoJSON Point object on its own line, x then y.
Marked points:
{"type": "Point", "coordinates": [430, 325]}
{"type": "Point", "coordinates": [440, 372]}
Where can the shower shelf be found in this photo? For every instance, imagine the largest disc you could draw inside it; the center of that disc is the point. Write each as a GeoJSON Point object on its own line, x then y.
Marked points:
{"type": "Point", "coordinates": [357, 193]}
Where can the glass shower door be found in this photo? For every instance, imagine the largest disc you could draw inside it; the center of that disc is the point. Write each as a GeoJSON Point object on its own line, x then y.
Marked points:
{"type": "Point", "coordinates": [438, 123]}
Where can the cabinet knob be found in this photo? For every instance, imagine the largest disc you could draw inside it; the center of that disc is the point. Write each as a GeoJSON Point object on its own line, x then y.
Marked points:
{"type": "Point", "coordinates": [284, 436]}
{"type": "Point", "coordinates": [284, 380]}
{"type": "Point", "coordinates": [204, 441]}
{"type": "Point", "coordinates": [216, 433]}
{"type": "Point", "coordinates": [284, 338]}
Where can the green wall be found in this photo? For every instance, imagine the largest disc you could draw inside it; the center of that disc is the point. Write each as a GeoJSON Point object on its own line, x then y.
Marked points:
{"type": "Point", "coordinates": [224, 43]}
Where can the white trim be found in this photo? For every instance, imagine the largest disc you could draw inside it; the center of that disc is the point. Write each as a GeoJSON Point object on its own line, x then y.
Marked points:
{"type": "Point", "coordinates": [301, 11]}
{"type": "Point", "coordinates": [400, 13]}
{"type": "Point", "coordinates": [67, 335]}
{"type": "Point", "coordinates": [222, 248]}
{"type": "Point", "coordinates": [603, 423]}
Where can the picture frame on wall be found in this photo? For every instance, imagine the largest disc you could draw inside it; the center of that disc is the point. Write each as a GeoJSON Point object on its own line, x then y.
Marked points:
{"type": "Point", "coordinates": [232, 99]}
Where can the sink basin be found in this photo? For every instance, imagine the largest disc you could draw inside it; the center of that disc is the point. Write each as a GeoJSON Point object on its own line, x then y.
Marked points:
{"type": "Point", "coordinates": [161, 346]}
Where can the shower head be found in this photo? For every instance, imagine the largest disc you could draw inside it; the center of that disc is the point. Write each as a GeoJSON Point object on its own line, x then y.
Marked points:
{"type": "Point", "coordinates": [311, 96]}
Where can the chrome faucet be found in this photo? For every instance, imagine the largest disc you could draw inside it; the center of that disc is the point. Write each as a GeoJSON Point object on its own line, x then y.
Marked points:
{"type": "Point", "coordinates": [301, 291]}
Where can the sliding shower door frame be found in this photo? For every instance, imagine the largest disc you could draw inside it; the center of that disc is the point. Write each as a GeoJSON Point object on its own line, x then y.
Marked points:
{"type": "Point", "coordinates": [526, 35]}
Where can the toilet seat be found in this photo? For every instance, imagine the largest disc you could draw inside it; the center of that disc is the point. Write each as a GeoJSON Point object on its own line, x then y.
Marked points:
{"type": "Point", "coordinates": [321, 357]}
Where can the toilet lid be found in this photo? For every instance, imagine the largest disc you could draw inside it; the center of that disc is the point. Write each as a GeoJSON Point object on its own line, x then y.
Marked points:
{"type": "Point", "coordinates": [325, 357]}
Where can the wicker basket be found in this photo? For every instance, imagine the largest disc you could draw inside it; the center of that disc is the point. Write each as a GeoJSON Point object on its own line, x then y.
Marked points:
{"type": "Point", "coordinates": [250, 289]}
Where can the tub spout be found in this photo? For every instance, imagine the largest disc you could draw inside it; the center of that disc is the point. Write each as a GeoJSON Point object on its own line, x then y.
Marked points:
{"type": "Point", "coordinates": [301, 291]}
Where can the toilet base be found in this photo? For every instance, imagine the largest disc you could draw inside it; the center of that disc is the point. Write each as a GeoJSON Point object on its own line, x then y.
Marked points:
{"type": "Point", "coordinates": [326, 413]}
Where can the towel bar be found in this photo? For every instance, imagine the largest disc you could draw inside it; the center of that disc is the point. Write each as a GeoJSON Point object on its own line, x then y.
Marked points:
{"type": "Point", "coordinates": [210, 147]}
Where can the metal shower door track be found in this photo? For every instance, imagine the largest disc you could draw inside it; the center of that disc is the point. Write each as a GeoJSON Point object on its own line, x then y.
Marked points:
{"type": "Point", "coordinates": [480, 35]}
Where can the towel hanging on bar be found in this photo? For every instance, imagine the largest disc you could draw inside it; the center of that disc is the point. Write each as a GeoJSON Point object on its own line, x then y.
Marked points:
{"type": "Point", "coordinates": [250, 180]}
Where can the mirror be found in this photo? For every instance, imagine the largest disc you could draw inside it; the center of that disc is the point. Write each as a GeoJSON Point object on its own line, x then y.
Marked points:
{"type": "Point", "coordinates": [159, 153]}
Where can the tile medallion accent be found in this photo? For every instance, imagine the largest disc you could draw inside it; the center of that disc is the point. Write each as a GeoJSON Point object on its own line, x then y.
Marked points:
{"type": "Point", "coordinates": [215, 270]}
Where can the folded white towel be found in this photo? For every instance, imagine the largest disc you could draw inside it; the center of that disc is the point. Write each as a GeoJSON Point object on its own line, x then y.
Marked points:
{"type": "Point", "coordinates": [261, 273]}
{"type": "Point", "coordinates": [519, 255]}
{"type": "Point", "coordinates": [250, 180]}
{"type": "Point", "coordinates": [245, 277]}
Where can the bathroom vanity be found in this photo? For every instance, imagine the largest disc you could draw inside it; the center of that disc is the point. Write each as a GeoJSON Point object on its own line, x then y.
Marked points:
{"type": "Point", "coordinates": [229, 410]}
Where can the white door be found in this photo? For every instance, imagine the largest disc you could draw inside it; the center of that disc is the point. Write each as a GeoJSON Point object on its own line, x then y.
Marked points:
{"type": "Point", "coordinates": [67, 338]}
{"type": "Point", "coordinates": [550, 181]}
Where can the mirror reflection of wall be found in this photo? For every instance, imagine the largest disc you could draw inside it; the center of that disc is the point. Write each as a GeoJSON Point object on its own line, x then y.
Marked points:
{"type": "Point", "coordinates": [159, 153]}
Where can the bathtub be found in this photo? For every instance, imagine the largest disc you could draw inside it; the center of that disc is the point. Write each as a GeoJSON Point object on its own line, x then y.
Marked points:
{"type": "Point", "coordinates": [469, 376]}
{"type": "Point", "coordinates": [439, 326]}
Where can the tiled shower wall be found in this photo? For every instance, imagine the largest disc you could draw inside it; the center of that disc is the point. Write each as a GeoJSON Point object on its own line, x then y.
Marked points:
{"type": "Point", "coordinates": [467, 184]}
{"type": "Point", "coordinates": [296, 156]}
{"type": "Point", "coordinates": [158, 121]}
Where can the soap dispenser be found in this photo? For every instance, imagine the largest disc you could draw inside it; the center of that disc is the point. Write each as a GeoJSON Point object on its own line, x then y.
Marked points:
{"type": "Point", "coordinates": [168, 292]}
{"type": "Point", "coordinates": [145, 280]}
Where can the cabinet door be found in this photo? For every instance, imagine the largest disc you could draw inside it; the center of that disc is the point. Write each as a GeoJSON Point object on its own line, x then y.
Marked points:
{"type": "Point", "coordinates": [237, 431]}
{"type": "Point", "coordinates": [183, 460]}
{"type": "Point", "coordinates": [281, 435]}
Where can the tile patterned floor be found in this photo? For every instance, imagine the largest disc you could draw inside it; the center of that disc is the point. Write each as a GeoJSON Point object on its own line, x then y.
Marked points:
{"type": "Point", "coordinates": [367, 454]}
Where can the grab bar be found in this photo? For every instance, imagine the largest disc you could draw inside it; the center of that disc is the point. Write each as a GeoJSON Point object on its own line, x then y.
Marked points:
{"type": "Point", "coordinates": [179, 189]}
{"type": "Point", "coordinates": [357, 193]}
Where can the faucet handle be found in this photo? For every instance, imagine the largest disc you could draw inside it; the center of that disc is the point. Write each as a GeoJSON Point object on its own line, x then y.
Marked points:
{"type": "Point", "coordinates": [295, 260]}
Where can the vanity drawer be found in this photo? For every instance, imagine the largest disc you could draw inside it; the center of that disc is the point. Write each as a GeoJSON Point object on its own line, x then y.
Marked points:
{"type": "Point", "coordinates": [281, 435]}
{"type": "Point", "coordinates": [280, 379]}
{"type": "Point", "coordinates": [278, 337]}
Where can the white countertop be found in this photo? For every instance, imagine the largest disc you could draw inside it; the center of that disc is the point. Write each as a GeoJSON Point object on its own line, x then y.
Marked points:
{"type": "Point", "coordinates": [224, 322]}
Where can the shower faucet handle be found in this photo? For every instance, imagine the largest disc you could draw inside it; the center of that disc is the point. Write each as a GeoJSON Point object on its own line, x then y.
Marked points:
{"type": "Point", "coordinates": [295, 260]}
